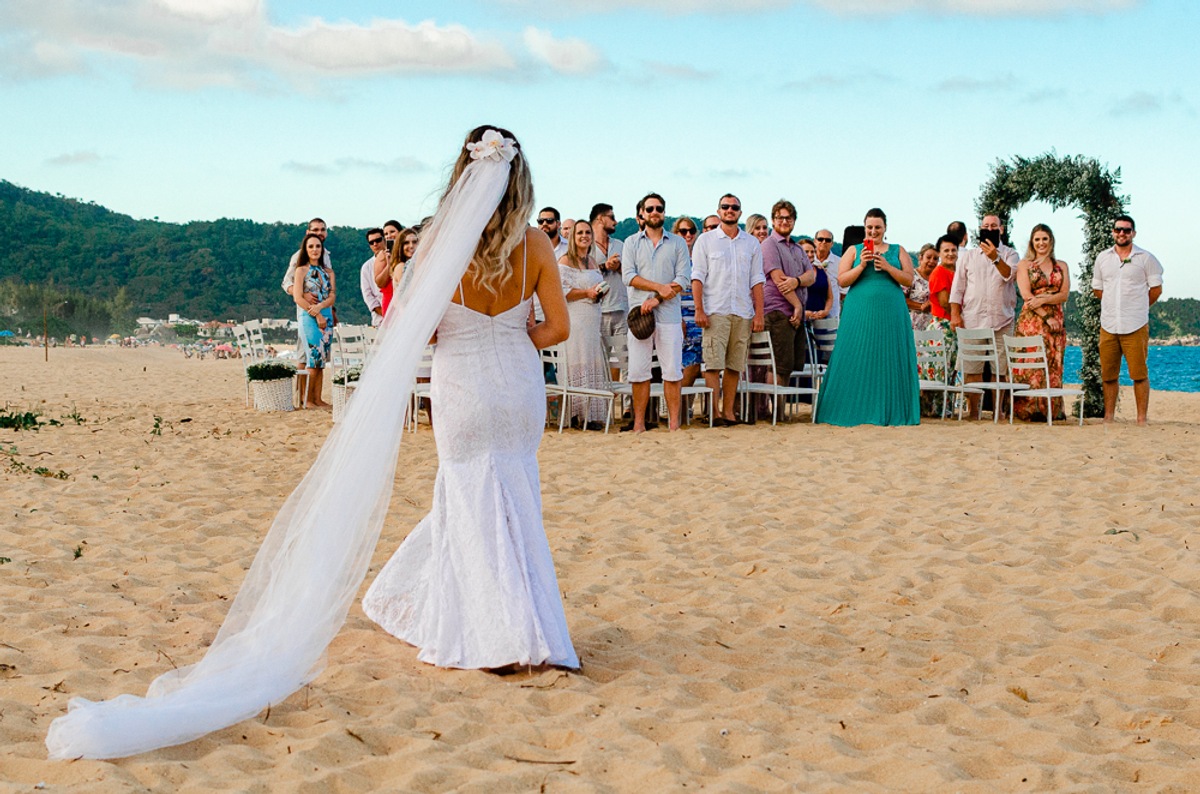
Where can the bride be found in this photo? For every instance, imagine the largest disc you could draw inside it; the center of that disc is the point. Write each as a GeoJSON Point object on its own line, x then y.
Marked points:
{"type": "Point", "coordinates": [473, 585]}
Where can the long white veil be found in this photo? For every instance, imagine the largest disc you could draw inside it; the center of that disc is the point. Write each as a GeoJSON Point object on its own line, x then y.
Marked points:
{"type": "Point", "coordinates": [299, 589]}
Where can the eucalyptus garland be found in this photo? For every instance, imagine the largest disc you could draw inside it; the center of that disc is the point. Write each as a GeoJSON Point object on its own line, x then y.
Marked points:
{"type": "Point", "coordinates": [1079, 182]}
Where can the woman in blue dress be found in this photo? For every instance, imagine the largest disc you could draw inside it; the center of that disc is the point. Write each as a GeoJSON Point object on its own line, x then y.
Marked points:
{"type": "Point", "coordinates": [314, 292]}
{"type": "Point", "coordinates": [872, 376]}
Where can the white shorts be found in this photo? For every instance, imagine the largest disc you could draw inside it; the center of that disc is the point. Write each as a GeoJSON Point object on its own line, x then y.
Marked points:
{"type": "Point", "coordinates": [667, 340]}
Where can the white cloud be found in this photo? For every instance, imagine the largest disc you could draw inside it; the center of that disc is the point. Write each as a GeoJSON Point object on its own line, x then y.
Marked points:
{"type": "Point", "coordinates": [85, 157]}
{"type": "Point", "coordinates": [853, 7]}
{"type": "Point", "coordinates": [968, 85]}
{"type": "Point", "coordinates": [566, 56]}
{"type": "Point", "coordinates": [191, 43]}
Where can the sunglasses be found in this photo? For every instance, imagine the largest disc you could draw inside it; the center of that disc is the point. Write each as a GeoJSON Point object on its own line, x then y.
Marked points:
{"type": "Point", "coordinates": [653, 208]}
{"type": "Point", "coordinates": [734, 207]}
{"type": "Point", "coordinates": [824, 239]}
{"type": "Point", "coordinates": [544, 221]}
{"type": "Point", "coordinates": [688, 232]}
{"type": "Point", "coordinates": [375, 241]}
{"type": "Point", "coordinates": [1122, 230]}
{"type": "Point", "coordinates": [710, 228]}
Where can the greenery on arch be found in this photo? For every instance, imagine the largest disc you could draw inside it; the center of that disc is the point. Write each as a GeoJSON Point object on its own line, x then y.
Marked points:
{"type": "Point", "coordinates": [1080, 182]}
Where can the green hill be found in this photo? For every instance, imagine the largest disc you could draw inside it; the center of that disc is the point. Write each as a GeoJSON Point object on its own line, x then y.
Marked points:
{"type": "Point", "coordinates": [109, 267]}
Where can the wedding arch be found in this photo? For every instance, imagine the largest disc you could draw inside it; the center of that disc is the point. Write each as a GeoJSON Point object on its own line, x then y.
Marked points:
{"type": "Point", "coordinates": [1079, 182]}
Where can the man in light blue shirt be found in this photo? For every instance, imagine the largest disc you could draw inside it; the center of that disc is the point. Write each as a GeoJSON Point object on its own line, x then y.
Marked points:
{"type": "Point", "coordinates": [655, 266]}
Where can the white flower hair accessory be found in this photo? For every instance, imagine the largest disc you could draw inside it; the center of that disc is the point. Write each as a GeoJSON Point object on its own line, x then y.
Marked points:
{"type": "Point", "coordinates": [493, 146]}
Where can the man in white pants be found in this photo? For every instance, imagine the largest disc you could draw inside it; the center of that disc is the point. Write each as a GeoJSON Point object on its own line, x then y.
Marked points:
{"type": "Point", "coordinates": [654, 267]}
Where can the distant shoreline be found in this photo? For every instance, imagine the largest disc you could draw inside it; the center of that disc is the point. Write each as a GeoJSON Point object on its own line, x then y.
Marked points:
{"type": "Point", "coordinates": [1172, 341]}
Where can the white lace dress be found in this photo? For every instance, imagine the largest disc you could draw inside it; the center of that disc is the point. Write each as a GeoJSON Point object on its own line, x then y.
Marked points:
{"type": "Point", "coordinates": [473, 586]}
{"type": "Point", "coordinates": [587, 364]}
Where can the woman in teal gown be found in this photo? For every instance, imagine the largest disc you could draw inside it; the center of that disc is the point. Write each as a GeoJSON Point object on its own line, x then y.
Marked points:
{"type": "Point", "coordinates": [872, 376]}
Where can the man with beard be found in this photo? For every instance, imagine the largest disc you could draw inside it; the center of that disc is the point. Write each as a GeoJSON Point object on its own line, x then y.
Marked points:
{"type": "Point", "coordinates": [606, 252]}
{"type": "Point", "coordinates": [548, 222]}
{"type": "Point", "coordinates": [655, 266]}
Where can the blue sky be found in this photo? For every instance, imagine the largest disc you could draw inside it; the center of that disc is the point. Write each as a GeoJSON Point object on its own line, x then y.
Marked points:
{"type": "Point", "coordinates": [273, 110]}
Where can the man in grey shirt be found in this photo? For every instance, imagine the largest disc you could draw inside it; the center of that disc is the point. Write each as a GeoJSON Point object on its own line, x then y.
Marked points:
{"type": "Point", "coordinates": [654, 267]}
{"type": "Point", "coordinates": [606, 252]}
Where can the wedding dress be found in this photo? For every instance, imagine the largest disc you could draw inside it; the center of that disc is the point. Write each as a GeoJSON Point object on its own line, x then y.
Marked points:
{"type": "Point", "coordinates": [313, 559]}
{"type": "Point", "coordinates": [473, 585]}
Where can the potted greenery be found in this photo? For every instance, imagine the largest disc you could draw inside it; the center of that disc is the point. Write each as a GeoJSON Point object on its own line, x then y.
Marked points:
{"type": "Point", "coordinates": [271, 384]}
{"type": "Point", "coordinates": [343, 386]}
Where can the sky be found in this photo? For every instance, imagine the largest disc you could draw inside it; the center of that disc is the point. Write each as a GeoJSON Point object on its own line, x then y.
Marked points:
{"type": "Point", "coordinates": [277, 110]}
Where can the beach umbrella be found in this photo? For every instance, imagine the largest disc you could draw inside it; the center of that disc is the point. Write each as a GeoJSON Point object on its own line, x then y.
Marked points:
{"type": "Point", "coordinates": [6, 333]}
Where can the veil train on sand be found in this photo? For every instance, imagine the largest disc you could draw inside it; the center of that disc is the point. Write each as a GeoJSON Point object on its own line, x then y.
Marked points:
{"type": "Point", "coordinates": [297, 592]}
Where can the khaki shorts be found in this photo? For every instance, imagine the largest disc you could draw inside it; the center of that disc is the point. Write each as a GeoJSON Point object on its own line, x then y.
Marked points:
{"type": "Point", "coordinates": [1134, 347]}
{"type": "Point", "coordinates": [725, 341]}
{"type": "Point", "coordinates": [976, 367]}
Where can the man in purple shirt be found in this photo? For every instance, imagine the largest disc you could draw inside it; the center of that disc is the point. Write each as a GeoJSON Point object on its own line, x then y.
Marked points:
{"type": "Point", "coordinates": [789, 271]}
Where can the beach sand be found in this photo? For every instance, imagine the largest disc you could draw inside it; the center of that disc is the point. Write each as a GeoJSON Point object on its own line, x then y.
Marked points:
{"type": "Point", "coordinates": [951, 607]}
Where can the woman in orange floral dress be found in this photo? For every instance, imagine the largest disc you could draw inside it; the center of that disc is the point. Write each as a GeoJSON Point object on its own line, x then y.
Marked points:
{"type": "Point", "coordinates": [1044, 283]}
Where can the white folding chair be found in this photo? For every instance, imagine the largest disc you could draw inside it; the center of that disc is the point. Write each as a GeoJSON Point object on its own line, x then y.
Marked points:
{"type": "Point", "coordinates": [241, 338]}
{"type": "Point", "coordinates": [822, 336]}
{"type": "Point", "coordinates": [931, 353]}
{"type": "Point", "coordinates": [555, 357]}
{"type": "Point", "coordinates": [762, 354]}
{"type": "Point", "coordinates": [421, 389]}
{"type": "Point", "coordinates": [1028, 353]}
{"type": "Point", "coordinates": [979, 344]}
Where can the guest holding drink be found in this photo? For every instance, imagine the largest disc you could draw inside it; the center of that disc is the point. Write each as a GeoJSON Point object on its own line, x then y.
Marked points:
{"type": "Point", "coordinates": [1044, 283]}
{"type": "Point", "coordinates": [587, 365]}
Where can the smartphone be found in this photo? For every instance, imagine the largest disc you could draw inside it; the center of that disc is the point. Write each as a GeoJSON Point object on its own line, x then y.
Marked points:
{"type": "Point", "coordinates": [869, 247]}
{"type": "Point", "coordinates": [991, 235]}
{"type": "Point", "coordinates": [389, 244]}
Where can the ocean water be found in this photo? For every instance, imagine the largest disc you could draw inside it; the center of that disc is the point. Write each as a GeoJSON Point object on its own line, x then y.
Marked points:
{"type": "Point", "coordinates": [1171, 368]}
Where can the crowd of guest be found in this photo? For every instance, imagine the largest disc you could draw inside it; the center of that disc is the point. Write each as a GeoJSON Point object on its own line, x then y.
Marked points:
{"type": "Point", "coordinates": [674, 306]}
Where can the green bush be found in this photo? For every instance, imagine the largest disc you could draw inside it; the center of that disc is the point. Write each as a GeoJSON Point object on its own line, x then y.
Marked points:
{"type": "Point", "coordinates": [270, 370]}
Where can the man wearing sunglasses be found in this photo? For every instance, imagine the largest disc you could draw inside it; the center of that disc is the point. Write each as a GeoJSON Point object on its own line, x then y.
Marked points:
{"type": "Point", "coordinates": [828, 261]}
{"type": "Point", "coordinates": [655, 267]}
{"type": "Point", "coordinates": [1127, 280]}
{"type": "Point", "coordinates": [727, 286]}
{"type": "Point", "coordinates": [606, 251]}
{"type": "Point", "coordinates": [366, 277]}
{"type": "Point", "coordinates": [548, 221]}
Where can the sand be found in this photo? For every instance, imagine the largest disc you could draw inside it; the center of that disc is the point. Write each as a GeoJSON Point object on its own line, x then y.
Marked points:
{"type": "Point", "coordinates": [952, 607]}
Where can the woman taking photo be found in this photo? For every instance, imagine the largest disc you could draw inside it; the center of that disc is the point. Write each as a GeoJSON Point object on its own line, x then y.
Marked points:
{"type": "Point", "coordinates": [315, 291]}
{"type": "Point", "coordinates": [587, 364]}
{"type": "Point", "coordinates": [872, 375]}
{"type": "Point", "coordinates": [1044, 283]}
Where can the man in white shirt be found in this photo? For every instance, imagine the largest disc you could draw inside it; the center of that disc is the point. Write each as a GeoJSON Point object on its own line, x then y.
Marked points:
{"type": "Point", "coordinates": [315, 226]}
{"type": "Point", "coordinates": [1127, 280]}
{"type": "Point", "coordinates": [606, 252]}
{"type": "Point", "coordinates": [366, 278]}
{"type": "Point", "coordinates": [654, 269]}
{"type": "Point", "coordinates": [727, 286]}
{"type": "Point", "coordinates": [984, 295]}
{"type": "Point", "coordinates": [828, 261]}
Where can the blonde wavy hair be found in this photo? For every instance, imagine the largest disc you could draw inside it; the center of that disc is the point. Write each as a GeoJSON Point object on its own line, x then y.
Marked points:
{"type": "Point", "coordinates": [505, 230]}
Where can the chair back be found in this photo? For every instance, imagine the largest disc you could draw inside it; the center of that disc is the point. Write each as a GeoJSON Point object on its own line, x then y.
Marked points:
{"type": "Point", "coordinates": [1026, 353]}
{"type": "Point", "coordinates": [978, 344]}
{"type": "Point", "coordinates": [258, 348]}
{"type": "Point", "coordinates": [241, 339]}
{"type": "Point", "coordinates": [617, 348]}
{"type": "Point", "coordinates": [931, 351]}
{"type": "Point", "coordinates": [351, 348]}
{"type": "Point", "coordinates": [761, 353]}
{"type": "Point", "coordinates": [824, 336]}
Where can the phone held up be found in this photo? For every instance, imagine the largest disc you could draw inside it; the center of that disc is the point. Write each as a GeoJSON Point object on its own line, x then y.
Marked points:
{"type": "Point", "coordinates": [389, 243]}
{"type": "Point", "coordinates": [869, 249]}
{"type": "Point", "coordinates": [991, 235]}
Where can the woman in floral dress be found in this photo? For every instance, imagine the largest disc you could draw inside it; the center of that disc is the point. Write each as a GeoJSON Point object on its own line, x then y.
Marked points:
{"type": "Point", "coordinates": [1044, 283]}
{"type": "Point", "coordinates": [587, 364]}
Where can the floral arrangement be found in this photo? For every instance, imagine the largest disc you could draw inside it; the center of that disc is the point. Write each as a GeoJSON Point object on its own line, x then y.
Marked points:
{"type": "Point", "coordinates": [345, 376]}
{"type": "Point", "coordinates": [271, 369]}
{"type": "Point", "coordinates": [1061, 182]}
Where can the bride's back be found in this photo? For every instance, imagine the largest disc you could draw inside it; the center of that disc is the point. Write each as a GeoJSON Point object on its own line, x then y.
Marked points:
{"type": "Point", "coordinates": [511, 291]}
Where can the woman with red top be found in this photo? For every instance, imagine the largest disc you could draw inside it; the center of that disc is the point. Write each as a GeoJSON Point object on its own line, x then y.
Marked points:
{"type": "Point", "coordinates": [940, 281]}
